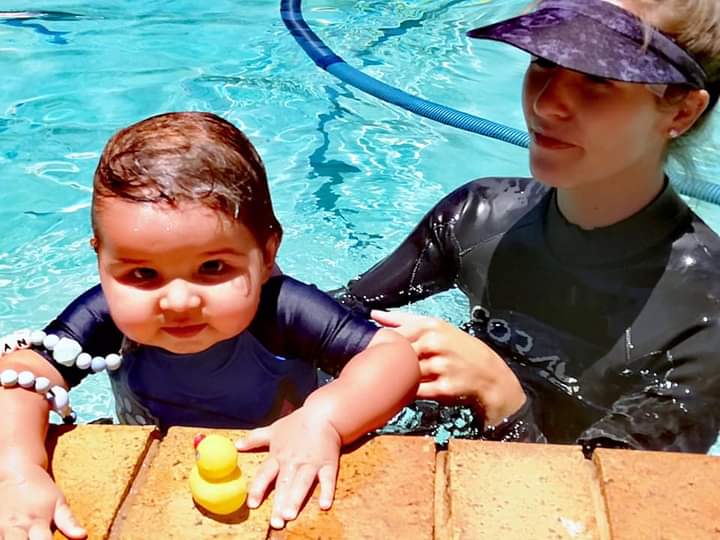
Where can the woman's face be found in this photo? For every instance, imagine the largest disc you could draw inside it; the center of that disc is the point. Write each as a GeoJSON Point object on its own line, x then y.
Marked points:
{"type": "Point", "coordinates": [585, 129]}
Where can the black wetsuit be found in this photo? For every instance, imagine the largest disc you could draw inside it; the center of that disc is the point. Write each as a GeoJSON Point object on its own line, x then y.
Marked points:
{"type": "Point", "coordinates": [246, 381]}
{"type": "Point", "coordinates": [614, 332]}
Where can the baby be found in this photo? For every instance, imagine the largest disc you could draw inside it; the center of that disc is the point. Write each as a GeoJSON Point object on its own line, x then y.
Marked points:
{"type": "Point", "coordinates": [209, 333]}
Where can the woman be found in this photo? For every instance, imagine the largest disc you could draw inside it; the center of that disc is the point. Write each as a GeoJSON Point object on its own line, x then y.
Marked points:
{"type": "Point", "coordinates": [594, 289]}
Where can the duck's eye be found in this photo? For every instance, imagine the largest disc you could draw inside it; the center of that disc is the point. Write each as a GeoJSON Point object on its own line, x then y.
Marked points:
{"type": "Point", "coordinates": [215, 266]}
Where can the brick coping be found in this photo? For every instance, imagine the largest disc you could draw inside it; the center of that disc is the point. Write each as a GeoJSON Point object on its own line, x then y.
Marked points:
{"type": "Point", "coordinates": [128, 482]}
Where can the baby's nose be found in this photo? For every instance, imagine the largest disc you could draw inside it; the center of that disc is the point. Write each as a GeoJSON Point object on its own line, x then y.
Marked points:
{"type": "Point", "coordinates": [179, 296]}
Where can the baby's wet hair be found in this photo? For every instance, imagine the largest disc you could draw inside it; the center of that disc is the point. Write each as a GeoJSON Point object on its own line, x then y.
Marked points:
{"type": "Point", "coordinates": [183, 157]}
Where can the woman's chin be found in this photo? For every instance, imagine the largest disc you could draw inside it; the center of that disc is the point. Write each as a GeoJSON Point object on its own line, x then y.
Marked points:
{"type": "Point", "coordinates": [555, 176]}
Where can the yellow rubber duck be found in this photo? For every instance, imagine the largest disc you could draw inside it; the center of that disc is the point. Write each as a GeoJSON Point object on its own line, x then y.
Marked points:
{"type": "Point", "coordinates": [216, 482]}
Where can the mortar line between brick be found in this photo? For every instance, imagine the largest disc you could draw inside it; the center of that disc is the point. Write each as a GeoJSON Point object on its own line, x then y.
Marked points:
{"type": "Point", "coordinates": [269, 533]}
{"type": "Point", "coordinates": [598, 495]}
{"type": "Point", "coordinates": [441, 497]}
{"type": "Point", "coordinates": [142, 466]}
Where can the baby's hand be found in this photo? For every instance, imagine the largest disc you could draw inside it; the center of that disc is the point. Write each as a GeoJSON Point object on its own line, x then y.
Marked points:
{"type": "Point", "coordinates": [303, 446]}
{"type": "Point", "coordinates": [31, 503]}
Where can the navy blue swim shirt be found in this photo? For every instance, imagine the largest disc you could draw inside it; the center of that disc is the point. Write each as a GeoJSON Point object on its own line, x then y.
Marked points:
{"type": "Point", "coordinates": [244, 382]}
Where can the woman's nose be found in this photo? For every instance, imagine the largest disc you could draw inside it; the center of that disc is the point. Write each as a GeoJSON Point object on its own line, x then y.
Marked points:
{"type": "Point", "coordinates": [179, 296]}
{"type": "Point", "coordinates": [553, 94]}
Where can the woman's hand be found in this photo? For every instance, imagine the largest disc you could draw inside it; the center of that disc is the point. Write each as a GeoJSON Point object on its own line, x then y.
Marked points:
{"type": "Point", "coordinates": [455, 365]}
{"type": "Point", "coordinates": [303, 446]}
{"type": "Point", "coordinates": [31, 502]}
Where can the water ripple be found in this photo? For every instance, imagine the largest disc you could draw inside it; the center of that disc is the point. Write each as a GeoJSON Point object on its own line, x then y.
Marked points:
{"type": "Point", "coordinates": [350, 175]}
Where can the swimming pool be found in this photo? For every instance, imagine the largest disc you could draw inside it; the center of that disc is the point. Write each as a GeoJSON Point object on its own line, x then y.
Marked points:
{"type": "Point", "coordinates": [350, 175]}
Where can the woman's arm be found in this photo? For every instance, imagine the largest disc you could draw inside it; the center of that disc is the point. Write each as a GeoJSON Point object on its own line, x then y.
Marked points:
{"type": "Point", "coordinates": [425, 263]}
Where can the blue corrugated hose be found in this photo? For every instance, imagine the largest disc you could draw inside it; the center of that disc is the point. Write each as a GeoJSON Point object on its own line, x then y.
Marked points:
{"type": "Point", "coordinates": [325, 58]}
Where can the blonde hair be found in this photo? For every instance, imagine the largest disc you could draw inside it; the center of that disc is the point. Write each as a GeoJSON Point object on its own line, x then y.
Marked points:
{"type": "Point", "coordinates": [695, 26]}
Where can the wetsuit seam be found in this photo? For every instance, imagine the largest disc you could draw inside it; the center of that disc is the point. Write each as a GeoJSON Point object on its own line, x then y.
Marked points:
{"type": "Point", "coordinates": [484, 241]}
{"type": "Point", "coordinates": [437, 230]}
{"type": "Point", "coordinates": [458, 251]}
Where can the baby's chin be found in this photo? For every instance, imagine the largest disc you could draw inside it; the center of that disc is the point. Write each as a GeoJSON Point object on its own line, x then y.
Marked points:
{"type": "Point", "coordinates": [185, 348]}
{"type": "Point", "coordinates": [176, 346]}
{"type": "Point", "coordinates": [184, 340]}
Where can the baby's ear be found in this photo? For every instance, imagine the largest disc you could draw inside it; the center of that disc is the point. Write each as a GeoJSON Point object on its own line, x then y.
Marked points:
{"type": "Point", "coordinates": [94, 244]}
{"type": "Point", "coordinates": [269, 254]}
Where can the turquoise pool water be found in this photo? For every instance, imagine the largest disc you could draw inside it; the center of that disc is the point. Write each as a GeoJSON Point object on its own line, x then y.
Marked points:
{"type": "Point", "coordinates": [350, 175]}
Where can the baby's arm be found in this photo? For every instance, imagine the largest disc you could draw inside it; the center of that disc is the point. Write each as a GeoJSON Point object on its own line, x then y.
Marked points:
{"type": "Point", "coordinates": [371, 389]}
{"type": "Point", "coordinates": [31, 500]}
{"type": "Point", "coordinates": [305, 445]}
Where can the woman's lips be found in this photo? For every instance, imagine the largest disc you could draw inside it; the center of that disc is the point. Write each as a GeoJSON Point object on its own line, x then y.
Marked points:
{"type": "Point", "coordinates": [545, 141]}
{"type": "Point", "coordinates": [185, 331]}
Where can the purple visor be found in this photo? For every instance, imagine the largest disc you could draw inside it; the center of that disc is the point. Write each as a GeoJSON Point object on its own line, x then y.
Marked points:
{"type": "Point", "coordinates": [600, 39]}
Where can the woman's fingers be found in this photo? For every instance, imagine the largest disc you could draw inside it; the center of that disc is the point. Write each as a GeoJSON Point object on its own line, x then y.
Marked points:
{"type": "Point", "coordinates": [436, 389]}
{"type": "Point", "coordinates": [262, 480]}
{"type": "Point", "coordinates": [399, 318]}
{"type": "Point", "coordinates": [388, 318]}
{"type": "Point", "coordinates": [433, 366]}
{"type": "Point", "coordinates": [66, 522]}
{"type": "Point", "coordinates": [421, 331]}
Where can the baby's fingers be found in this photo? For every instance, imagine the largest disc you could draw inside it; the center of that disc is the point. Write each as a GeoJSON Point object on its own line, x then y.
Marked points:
{"type": "Point", "coordinates": [39, 531]}
{"type": "Point", "coordinates": [263, 478]}
{"type": "Point", "coordinates": [257, 438]}
{"type": "Point", "coordinates": [282, 487]}
{"type": "Point", "coordinates": [327, 475]}
{"type": "Point", "coordinates": [13, 533]}
{"type": "Point", "coordinates": [296, 492]}
{"type": "Point", "coordinates": [66, 522]}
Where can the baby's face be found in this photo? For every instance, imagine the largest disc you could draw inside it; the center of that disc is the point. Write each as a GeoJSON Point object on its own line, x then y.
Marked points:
{"type": "Point", "coordinates": [179, 278]}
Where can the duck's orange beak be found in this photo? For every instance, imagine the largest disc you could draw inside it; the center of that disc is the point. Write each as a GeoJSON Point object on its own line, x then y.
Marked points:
{"type": "Point", "coordinates": [197, 439]}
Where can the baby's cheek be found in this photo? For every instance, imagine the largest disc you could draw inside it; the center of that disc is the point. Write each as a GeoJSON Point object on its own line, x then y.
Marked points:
{"type": "Point", "coordinates": [233, 310]}
{"type": "Point", "coordinates": [131, 313]}
{"type": "Point", "coordinates": [243, 285]}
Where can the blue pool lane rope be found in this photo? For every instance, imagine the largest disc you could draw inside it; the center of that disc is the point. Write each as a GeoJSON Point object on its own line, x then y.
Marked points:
{"type": "Point", "coordinates": [326, 59]}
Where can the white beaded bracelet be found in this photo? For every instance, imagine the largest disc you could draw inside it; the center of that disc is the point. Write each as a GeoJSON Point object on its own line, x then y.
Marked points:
{"type": "Point", "coordinates": [66, 352]}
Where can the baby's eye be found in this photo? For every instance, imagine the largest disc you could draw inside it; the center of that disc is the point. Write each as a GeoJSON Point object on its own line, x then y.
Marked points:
{"type": "Point", "coordinates": [143, 274]}
{"type": "Point", "coordinates": [213, 267]}
{"type": "Point", "coordinates": [542, 63]}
